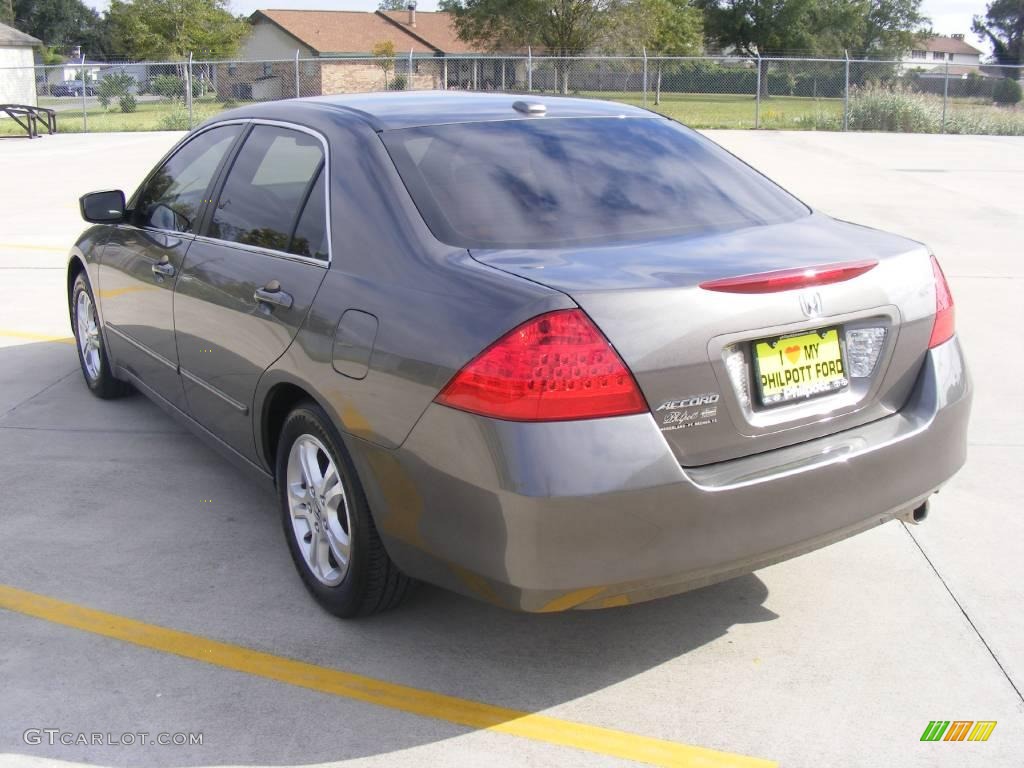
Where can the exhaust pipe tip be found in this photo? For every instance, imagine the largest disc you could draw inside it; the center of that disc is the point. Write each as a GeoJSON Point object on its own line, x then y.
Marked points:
{"type": "Point", "coordinates": [916, 516]}
{"type": "Point", "coordinates": [921, 512]}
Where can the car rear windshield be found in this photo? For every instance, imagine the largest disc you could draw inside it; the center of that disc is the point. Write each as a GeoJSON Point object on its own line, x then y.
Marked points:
{"type": "Point", "coordinates": [550, 182]}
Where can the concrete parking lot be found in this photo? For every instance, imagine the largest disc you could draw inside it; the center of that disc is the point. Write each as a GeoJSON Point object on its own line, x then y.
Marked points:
{"type": "Point", "coordinates": [145, 585]}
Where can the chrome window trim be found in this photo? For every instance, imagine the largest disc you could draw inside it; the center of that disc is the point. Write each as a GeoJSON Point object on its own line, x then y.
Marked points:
{"type": "Point", "coordinates": [327, 198]}
{"type": "Point", "coordinates": [264, 251]}
{"type": "Point", "coordinates": [243, 246]}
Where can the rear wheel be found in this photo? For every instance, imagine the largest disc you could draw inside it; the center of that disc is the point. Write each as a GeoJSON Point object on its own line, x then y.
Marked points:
{"type": "Point", "coordinates": [327, 522]}
{"type": "Point", "coordinates": [92, 354]}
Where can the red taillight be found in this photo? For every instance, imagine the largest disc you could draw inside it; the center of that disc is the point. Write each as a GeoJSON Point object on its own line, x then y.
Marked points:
{"type": "Point", "coordinates": [790, 279]}
{"type": "Point", "coordinates": [945, 321]}
{"type": "Point", "coordinates": [555, 367]}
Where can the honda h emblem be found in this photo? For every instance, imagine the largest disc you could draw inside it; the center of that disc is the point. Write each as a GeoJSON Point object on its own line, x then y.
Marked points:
{"type": "Point", "coordinates": [810, 303]}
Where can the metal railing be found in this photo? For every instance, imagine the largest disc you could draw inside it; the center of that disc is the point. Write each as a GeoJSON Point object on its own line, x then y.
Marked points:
{"type": "Point", "coordinates": [704, 91]}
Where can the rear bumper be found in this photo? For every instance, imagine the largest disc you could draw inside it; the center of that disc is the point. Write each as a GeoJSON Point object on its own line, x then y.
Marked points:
{"type": "Point", "coordinates": [597, 513]}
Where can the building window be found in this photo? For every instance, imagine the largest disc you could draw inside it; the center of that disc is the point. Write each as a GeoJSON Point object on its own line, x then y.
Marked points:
{"type": "Point", "coordinates": [938, 56]}
{"type": "Point", "coordinates": [268, 68]}
{"type": "Point", "coordinates": [918, 54]}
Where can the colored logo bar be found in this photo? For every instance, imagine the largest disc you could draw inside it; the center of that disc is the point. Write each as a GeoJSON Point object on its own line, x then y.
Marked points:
{"type": "Point", "coordinates": [958, 730]}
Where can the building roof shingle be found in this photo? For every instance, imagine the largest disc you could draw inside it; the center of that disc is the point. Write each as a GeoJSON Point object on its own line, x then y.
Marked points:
{"type": "Point", "coordinates": [10, 36]}
{"type": "Point", "coordinates": [943, 44]}
{"type": "Point", "coordinates": [357, 32]}
{"type": "Point", "coordinates": [341, 31]}
{"type": "Point", "coordinates": [435, 27]}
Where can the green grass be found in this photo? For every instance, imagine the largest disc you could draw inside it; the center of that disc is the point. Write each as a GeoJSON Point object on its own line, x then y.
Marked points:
{"type": "Point", "coordinates": [700, 110]}
{"type": "Point", "coordinates": [694, 109]}
{"type": "Point", "coordinates": [148, 116]}
{"type": "Point", "coordinates": [880, 108]}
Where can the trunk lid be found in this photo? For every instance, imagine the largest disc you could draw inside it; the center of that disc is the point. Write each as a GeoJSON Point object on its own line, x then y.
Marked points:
{"type": "Point", "coordinates": [691, 349]}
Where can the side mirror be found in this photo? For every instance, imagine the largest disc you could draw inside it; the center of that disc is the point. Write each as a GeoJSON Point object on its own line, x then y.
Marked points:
{"type": "Point", "coordinates": [105, 207]}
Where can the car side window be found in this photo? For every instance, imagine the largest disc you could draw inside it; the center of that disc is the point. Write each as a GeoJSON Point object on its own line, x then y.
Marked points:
{"type": "Point", "coordinates": [174, 195]}
{"type": "Point", "coordinates": [273, 176]}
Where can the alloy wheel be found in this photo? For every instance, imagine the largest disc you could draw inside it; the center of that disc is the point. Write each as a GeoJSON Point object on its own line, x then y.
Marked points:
{"type": "Point", "coordinates": [88, 335]}
{"type": "Point", "coordinates": [319, 510]}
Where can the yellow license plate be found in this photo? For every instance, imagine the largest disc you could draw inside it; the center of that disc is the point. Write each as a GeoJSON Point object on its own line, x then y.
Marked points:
{"type": "Point", "coordinates": [798, 367]}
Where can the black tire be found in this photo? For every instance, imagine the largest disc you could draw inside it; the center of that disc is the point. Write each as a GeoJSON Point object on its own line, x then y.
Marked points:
{"type": "Point", "coordinates": [102, 382]}
{"type": "Point", "coordinates": [371, 583]}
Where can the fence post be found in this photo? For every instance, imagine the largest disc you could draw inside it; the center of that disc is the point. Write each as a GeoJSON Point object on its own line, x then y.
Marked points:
{"type": "Point", "coordinates": [645, 77]}
{"type": "Point", "coordinates": [757, 97]}
{"type": "Point", "coordinates": [444, 82]}
{"type": "Point", "coordinates": [945, 96]}
{"type": "Point", "coordinates": [298, 93]}
{"type": "Point", "coordinates": [503, 64]}
{"type": "Point", "coordinates": [408, 78]}
{"type": "Point", "coordinates": [846, 93]}
{"type": "Point", "coordinates": [188, 89]}
{"type": "Point", "coordinates": [85, 116]}
{"type": "Point", "coordinates": [529, 69]}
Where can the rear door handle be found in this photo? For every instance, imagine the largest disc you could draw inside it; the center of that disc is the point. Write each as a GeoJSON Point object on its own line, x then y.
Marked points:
{"type": "Point", "coordinates": [271, 293]}
{"type": "Point", "coordinates": [163, 269]}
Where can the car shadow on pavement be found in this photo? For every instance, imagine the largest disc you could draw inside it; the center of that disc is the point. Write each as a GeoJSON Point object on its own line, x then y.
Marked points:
{"type": "Point", "coordinates": [157, 527]}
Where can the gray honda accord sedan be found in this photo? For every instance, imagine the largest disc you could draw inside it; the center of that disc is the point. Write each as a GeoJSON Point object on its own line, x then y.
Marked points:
{"type": "Point", "coordinates": [548, 352]}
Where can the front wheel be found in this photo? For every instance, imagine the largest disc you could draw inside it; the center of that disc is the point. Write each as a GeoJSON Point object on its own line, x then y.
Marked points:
{"type": "Point", "coordinates": [92, 354]}
{"type": "Point", "coordinates": [327, 522]}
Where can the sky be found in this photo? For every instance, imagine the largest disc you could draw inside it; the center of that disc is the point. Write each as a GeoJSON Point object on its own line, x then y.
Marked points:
{"type": "Point", "coordinates": [948, 16]}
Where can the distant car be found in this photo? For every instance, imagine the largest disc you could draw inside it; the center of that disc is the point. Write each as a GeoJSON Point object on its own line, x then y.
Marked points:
{"type": "Point", "coordinates": [72, 88]}
{"type": "Point", "coordinates": [552, 353]}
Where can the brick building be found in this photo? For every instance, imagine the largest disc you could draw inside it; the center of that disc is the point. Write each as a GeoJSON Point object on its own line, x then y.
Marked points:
{"type": "Point", "coordinates": [333, 48]}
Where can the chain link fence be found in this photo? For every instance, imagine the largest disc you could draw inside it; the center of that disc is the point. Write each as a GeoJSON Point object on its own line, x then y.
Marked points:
{"type": "Point", "coordinates": [703, 92]}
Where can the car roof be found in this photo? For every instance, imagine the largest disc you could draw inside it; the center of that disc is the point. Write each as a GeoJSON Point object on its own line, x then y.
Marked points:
{"type": "Point", "coordinates": [409, 109]}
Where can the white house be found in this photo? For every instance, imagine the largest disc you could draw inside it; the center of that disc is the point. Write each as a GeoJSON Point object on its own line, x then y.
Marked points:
{"type": "Point", "coordinates": [17, 86]}
{"type": "Point", "coordinates": [935, 52]}
{"type": "Point", "coordinates": [94, 72]}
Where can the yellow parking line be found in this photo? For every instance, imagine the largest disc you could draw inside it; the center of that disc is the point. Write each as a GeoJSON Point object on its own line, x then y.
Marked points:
{"type": "Point", "coordinates": [29, 247]}
{"type": "Point", "coordinates": [11, 333]}
{"type": "Point", "coordinates": [472, 714]}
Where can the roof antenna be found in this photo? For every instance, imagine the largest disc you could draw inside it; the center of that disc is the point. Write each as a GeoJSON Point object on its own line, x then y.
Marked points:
{"type": "Point", "coordinates": [529, 107]}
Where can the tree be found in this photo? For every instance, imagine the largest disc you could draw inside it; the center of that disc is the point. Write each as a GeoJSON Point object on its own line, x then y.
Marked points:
{"type": "Point", "coordinates": [659, 27]}
{"type": "Point", "coordinates": [760, 27]}
{"type": "Point", "coordinates": [63, 24]}
{"type": "Point", "coordinates": [171, 29]}
{"type": "Point", "coordinates": [392, 5]}
{"type": "Point", "coordinates": [665, 27]}
{"type": "Point", "coordinates": [560, 27]}
{"type": "Point", "coordinates": [1003, 25]}
{"type": "Point", "coordinates": [384, 53]}
{"type": "Point", "coordinates": [114, 85]}
{"type": "Point", "coordinates": [7, 12]}
{"type": "Point", "coordinates": [882, 29]}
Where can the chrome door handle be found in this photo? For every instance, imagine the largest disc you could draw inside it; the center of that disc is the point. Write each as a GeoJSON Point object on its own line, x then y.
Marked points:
{"type": "Point", "coordinates": [271, 293]}
{"type": "Point", "coordinates": [163, 269]}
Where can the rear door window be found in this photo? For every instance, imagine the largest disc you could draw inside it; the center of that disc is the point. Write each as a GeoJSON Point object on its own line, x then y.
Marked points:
{"type": "Point", "coordinates": [173, 197]}
{"type": "Point", "coordinates": [549, 182]}
{"type": "Point", "coordinates": [310, 238]}
{"type": "Point", "coordinates": [271, 180]}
